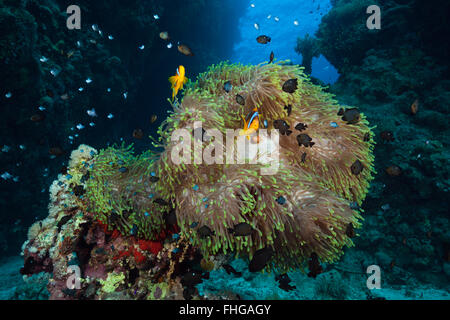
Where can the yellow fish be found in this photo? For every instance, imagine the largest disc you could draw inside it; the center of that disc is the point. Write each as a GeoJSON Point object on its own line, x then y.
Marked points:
{"type": "Point", "coordinates": [178, 81]}
{"type": "Point", "coordinates": [251, 123]}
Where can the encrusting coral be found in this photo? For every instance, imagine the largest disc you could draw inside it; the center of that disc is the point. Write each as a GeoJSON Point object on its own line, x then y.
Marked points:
{"type": "Point", "coordinates": [145, 215]}
{"type": "Point", "coordinates": [111, 265]}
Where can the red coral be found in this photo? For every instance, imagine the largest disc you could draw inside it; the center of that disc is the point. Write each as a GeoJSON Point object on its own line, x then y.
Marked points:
{"type": "Point", "coordinates": [115, 234]}
{"type": "Point", "coordinates": [152, 246]}
{"type": "Point", "coordinates": [122, 254]}
{"type": "Point", "coordinates": [138, 257]}
{"type": "Point", "coordinates": [104, 227]}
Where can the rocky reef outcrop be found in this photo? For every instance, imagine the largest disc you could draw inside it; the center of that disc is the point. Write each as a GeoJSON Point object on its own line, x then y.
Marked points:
{"type": "Point", "coordinates": [400, 78]}
{"type": "Point", "coordinates": [85, 259]}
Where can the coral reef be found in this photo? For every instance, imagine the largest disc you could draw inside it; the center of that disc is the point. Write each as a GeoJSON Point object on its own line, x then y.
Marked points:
{"type": "Point", "coordinates": [388, 73]}
{"type": "Point", "coordinates": [110, 265]}
{"type": "Point", "coordinates": [138, 226]}
{"type": "Point", "coordinates": [132, 224]}
{"type": "Point", "coordinates": [343, 36]}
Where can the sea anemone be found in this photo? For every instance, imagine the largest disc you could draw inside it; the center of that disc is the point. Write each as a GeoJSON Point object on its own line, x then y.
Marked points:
{"type": "Point", "coordinates": [120, 192]}
{"type": "Point", "coordinates": [316, 181]}
{"type": "Point", "coordinates": [323, 161]}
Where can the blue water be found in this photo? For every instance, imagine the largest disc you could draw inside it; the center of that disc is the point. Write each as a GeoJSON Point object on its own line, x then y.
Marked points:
{"type": "Point", "coordinates": [284, 33]}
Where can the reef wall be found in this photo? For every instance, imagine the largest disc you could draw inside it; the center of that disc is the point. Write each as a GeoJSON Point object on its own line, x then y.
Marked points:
{"type": "Point", "coordinates": [400, 78]}
{"type": "Point", "coordinates": [52, 76]}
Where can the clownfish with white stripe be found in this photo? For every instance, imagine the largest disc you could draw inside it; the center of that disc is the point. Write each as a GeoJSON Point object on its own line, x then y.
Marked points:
{"type": "Point", "coordinates": [251, 125]}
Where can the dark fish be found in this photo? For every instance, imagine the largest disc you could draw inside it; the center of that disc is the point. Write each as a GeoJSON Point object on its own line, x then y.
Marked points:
{"type": "Point", "coordinates": [123, 170]}
{"type": "Point", "coordinates": [184, 49]}
{"type": "Point", "coordinates": [138, 134]}
{"type": "Point", "coordinates": [301, 126]}
{"type": "Point", "coordinates": [62, 222]}
{"type": "Point", "coordinates": [153, 118]}
{"type": "Point", "coordinates": [352, 116]}
{"type": "Point", "coordinates": [286, 287]}
{"type": "Point", "coordinates": [314, 266]}
{"type": "Point", "coordinates": [38, 117]}
{"type": "Point", "coordinates": [357, 167]}
{"type": "Point", "coordinates": [290, 85]}
{"type": "Point", "coordinates": [263, 39]}
{"type": "Point", "coordinates": [161, 202]}
{"type": "Point", "coordinates": [304, 140]}
{"type": "Point", "coordinates": [366, 137]}
{"type": "Point", "coordinates": [288, 108]}
{"type": "Point", "coordinates": [171, 217]}
{"type": "Point", "coordinates": [284, 281]}
{"type": "Point", "coordinates": [282, 126]}
{"type": "Point", "coordinates": [241, 229]}
{"type": "Point", "coordinates": [271, 57]}
{"type": "Point", "coordinates": [281, 200]}
{"type": "Point", "coordinates": [340, 112]}
{"type": "Point", "coordinates": [350, 231]}
{"type": "Point", "coordinates": [387, 136]}
{"type": "Point", "coordinates": [199, 134]}
{"type": "Point", "coordinates": [154, 179]}
{"type": "Point", "coordinates": [230, 270]}
{"type": "Point", "coordinates": [78, 190]}
{"type": "Point", "coordinates": [260, 259]}
{"type": "Point", "coordinates": [191, 279]}
{"type": "Point", "coordinates": [205, 231]}
{"type": "Point", "coordinates": [227, 86]}
{"type": "Point", "coordinates": [240, 99]}
{"type": "Point", "coordinates": [56, 151]}
{"type": "Point", "coordinates": [303, 159]}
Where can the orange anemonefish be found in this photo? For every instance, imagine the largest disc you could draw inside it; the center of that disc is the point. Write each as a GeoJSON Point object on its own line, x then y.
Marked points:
{"type": "Point", "coordinates": [178, 81]}
{"type": "Point", "coordinates": [251, 124]}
